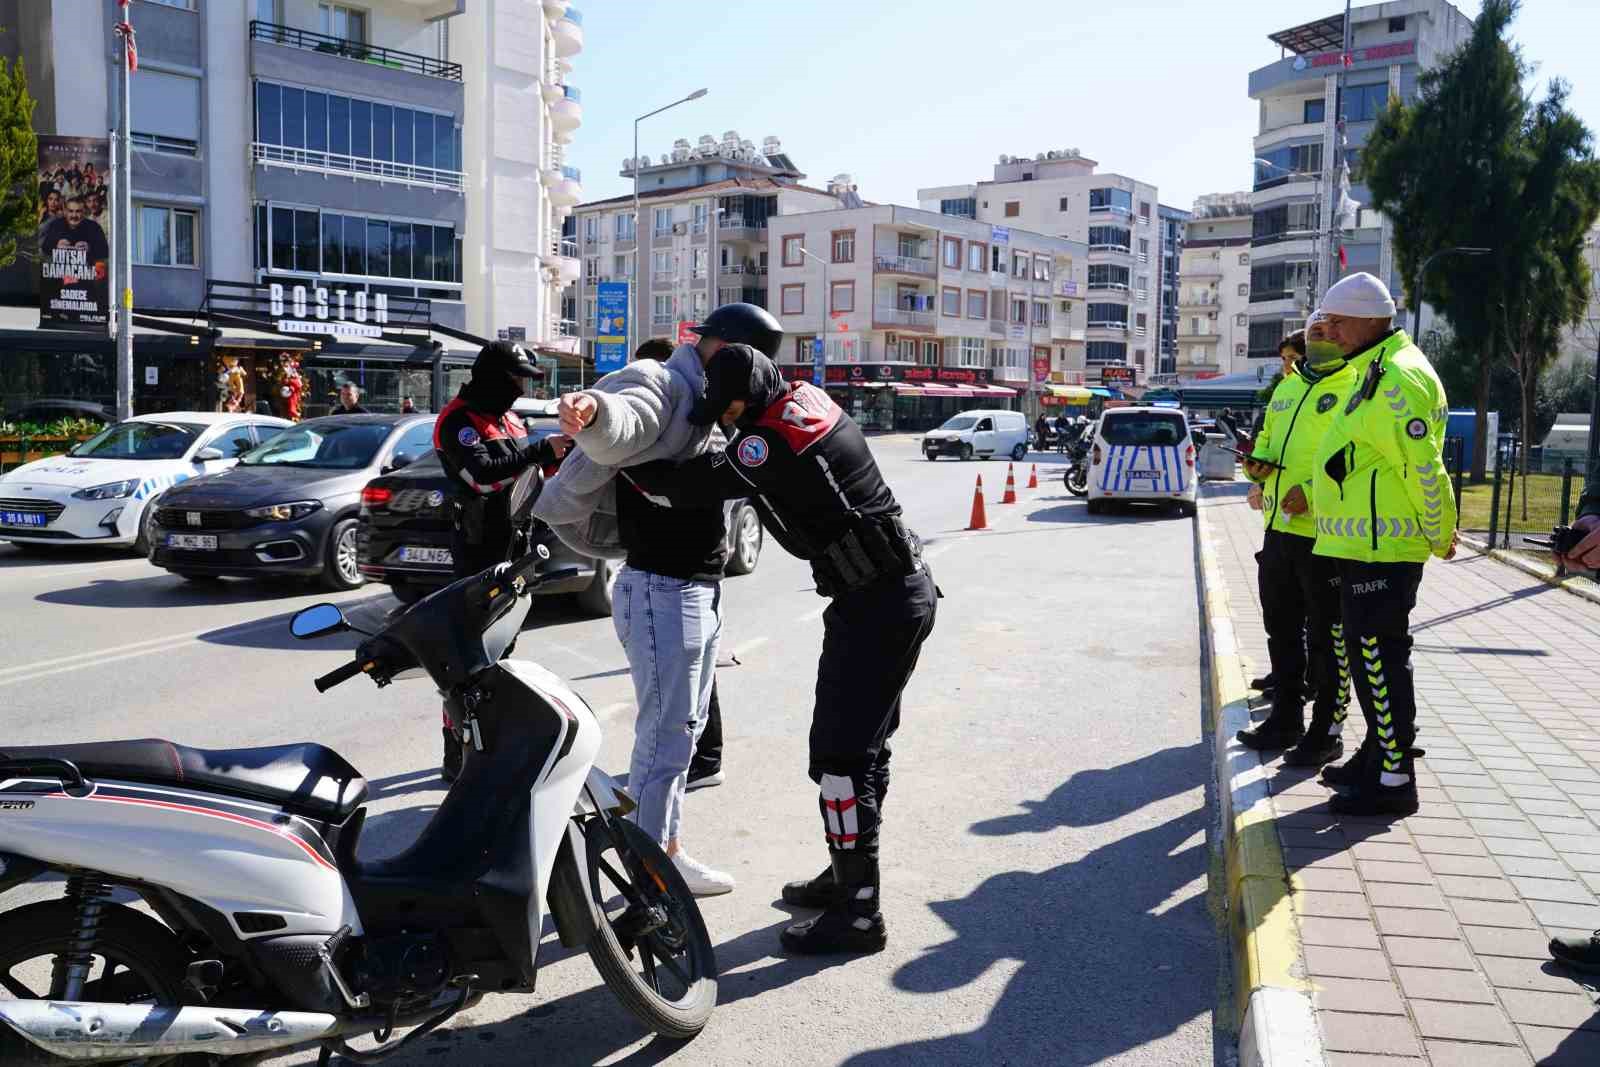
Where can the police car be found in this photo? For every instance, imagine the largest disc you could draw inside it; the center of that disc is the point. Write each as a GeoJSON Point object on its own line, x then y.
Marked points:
{"type": "Point", "coordinates": [1143, 454]}
{"type": "Point", "coordinates": [99, 493]}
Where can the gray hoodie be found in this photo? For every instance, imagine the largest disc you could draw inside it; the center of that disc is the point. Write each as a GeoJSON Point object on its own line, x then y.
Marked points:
{"type": "Point", "coordinates": [643, 415]}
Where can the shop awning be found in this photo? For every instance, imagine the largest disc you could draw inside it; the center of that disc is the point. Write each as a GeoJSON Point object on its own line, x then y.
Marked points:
{"type": "Point", "coordinates": [1097, 391]}
{"type": "Point", "coordinates": [992, 390]}
{"type": "Point", "coordinates": [1070, 392]}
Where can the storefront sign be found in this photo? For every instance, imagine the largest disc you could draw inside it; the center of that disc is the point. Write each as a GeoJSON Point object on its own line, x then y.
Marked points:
{"type": "Point", "coordinates": [74, 242]}
{"type": "Point", "coordinates": [1360, 55]}
{"type": "Point", "coordinates": [884, 373]}
{"type": "Point", "coordinates": [319, 310]}
{"type": "Point", "coordinates": [611, 327]}
{"type": "Point", "coordinates": [999, 235]}
{"type": "Point", "coordinates": [686, 334]}
{"type": "Point", "coordinates": [1041, 369]}
{"type": "Point", "coordinates": [1116, 375]}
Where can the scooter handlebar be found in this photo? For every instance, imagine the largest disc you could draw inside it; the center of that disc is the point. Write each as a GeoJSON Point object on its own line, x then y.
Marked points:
{"type": "Point", "coordinates": [338, 675]}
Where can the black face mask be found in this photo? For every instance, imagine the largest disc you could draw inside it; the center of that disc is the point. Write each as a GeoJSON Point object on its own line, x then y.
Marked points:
{"type": "Point", "coordinates": [495, 395]}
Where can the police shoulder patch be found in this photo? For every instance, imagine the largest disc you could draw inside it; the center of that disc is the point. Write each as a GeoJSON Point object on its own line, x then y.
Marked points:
{"type": "Point", "coordinates": [1417, 429]}
{"type": "Point", "coordinates": [1325, 403]}
{"type": "Point", "coordinates": [752, 451]}
{"type": "Point", "coordinates": [468, 436]}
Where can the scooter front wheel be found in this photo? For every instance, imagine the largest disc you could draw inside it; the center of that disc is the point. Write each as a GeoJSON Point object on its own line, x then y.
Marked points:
{"type": "Point", "coordinates": [1077, 480]}
{"type": "Point", "coordinates": [650, 945]}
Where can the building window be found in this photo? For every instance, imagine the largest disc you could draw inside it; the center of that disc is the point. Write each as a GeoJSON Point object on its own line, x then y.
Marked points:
{"type": "Point", "coordinates": [1293, 161]}
{"type": "Point", "coordinates": [977, 255]}
{"type": "Point", "coordinates": [346, 23]}
{"type": "Point", "coordinates": [697, 263]}
{"type": "Point", "coordinates": [1119, 238]}
{"type": "Point", "coordinates": [1141, 323]}
{"type": "Point", "coordinates": [591, 314]}
{"type": "Point", "coordinates": [1112, 315]}
{"type": "Point", "coordinates": [844, 246]}
{"type": "Point", "coordinates": [960, 207]}
{"type": "Point", "coordinates": [1144, 211]}
{"type": "Point", "coordinates": [188, 5]}
{"type": "Point", "coordinates": [1138, 358]}
{"type": "Point", "coordinates": [303, 242]}
{"type": "Point", "coordinates": [1019, 264]}
{"type": "Point", "coordinates": [164, 238]}
{"type": "Point", "coordinates": [1019, 310]}
{"type": "Point", "coordinates": [663, 264]}
{"type": "Point", "coordinates": [1315, 110]}
{"type": "Point", "coordinates": [1363, 103]}
{"type": "Point", "coordinates": [368, 138]}
{"type": "Point", "coordinates": [843, 296]}
{"type": "Point", "coordinates": [698, 303]}
{"type": "Point", "coordinates": [974, 350]}
{"type": "Point", "coordinates": [661, 310]}
{"type": "Point", "coordinates": [591, 229]}
{"type": "Point", "coordinates": [1041, 313]}
{"type": "Point", "coordinates": [794, 300]}
{"type": "Point", "coordinates": [952, 253]}
{"type": "Point", "coordinates": [930, 353]}
{"type": "Point", "coordinates": [166, 112]}
{"type": "Point", "coordinates": [1109, 276]}
{"type": "Point", "coordinates": [1106, 353]}
{"type": "Point", "coordinates": [1041, 268]}
{"type": "Point", "coordinates": [663, 221]}
{"type": "Point", "coordinates": [591, 269]}
{"type": "Point", "coordinates": [950, 303]}
{"type": "Point", "coordinates": [1118, 201]}
{"type": "Point", "coordinates": [269, 10]}
{"type": "Point", "coordinates": [1283, 222]}
{"type": "Point", "coordinates": [623, 227]}
{"type": "Point", "coordinates": [1397, 24]}
{"type": "Point", "coordinates": [1280, 281]}
{"type": "Point", "coordinates": [697, 217]}
{"type": "Point", "coordinates": [622, 266]}
{"type": "Point", "coordinates": [977, 304]}
{"type": "Point", "coordinates": [1013, 208]}
{"type": "Point", "coordinates": [791, 250]}
{"type": "Point", "coordinates": [997, 259]}
{"type": "Point", "coordinates": [1064, 202]}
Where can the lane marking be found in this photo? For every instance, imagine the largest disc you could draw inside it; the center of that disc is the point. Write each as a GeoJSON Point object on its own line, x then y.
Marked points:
{"type": "Point", "coordinates": [145, 649]}
{"type": "Point", "coordinates": [21, 574]}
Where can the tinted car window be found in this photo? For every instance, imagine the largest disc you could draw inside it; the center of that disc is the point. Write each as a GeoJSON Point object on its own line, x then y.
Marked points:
{"type": "Point", "coordinates": [415, 443]}
{"type": "Point", "coordinates": [959, 422]}
{"type": "Point", "coordinates": [984, 425]}
{"type": "Point", "coordinates": [1143, 429]}
{"type": "Point", "coordinates": [140, 440]}
{"type": "Point", "coordinates": [324, 444]}
{"type": "Point", "coordinates": [266, 431]}
{"type": "Point", "coordinates": [232, 441]}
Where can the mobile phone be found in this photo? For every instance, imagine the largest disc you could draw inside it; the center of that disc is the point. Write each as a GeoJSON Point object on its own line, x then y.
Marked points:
{"type": "Point", "coordinates": [1246, 456]}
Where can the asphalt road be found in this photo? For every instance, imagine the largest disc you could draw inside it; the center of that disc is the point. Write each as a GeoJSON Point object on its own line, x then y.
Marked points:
{"type": "Point", "coordinates": [1046, 841]}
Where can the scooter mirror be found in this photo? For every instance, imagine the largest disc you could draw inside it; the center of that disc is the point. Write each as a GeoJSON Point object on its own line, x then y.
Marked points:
{"type": "Point", "coordinates": [317, 620]}
{"type": "Point", "coordinates": [524, 492]}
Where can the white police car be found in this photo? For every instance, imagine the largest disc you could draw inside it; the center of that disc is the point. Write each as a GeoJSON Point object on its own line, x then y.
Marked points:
{"type": "Point", "coordinates": [99, 493]}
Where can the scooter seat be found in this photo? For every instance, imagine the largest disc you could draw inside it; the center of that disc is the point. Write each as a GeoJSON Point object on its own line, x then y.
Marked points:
{"type": "Point", "coordinates": [306, 779]}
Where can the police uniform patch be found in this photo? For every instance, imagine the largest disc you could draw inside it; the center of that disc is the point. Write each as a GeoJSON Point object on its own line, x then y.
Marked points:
{"type": "Point", "coordinates": [468, 436]}
{"type": "Point", "coordinates": [1416, 429]}
{"type": "Point", "coordinates": [1325, 403]}
{"type": "Point", "coordinates": [752, 451]}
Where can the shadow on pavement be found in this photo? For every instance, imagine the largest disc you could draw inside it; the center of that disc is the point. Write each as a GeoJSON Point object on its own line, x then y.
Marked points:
{"type": "Point", "coordinates": [168, 590]}
{"type": "Point", "coordinates": [1126, 515]}
{"type": "Point", "coordinates": [21, 559]}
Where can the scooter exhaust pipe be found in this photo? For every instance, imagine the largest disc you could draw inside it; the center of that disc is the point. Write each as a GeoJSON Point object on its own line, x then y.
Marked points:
{"type": "Point", "coordinates": [82, 1032]}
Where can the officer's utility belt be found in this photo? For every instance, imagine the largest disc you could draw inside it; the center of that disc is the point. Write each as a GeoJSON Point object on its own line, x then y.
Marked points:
{"type": "Point", "coordinates": [870, 552]}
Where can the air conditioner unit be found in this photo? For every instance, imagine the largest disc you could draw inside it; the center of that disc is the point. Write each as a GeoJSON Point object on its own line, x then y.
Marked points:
{"type": "Point", "coordinates": [890, 340]}
{"type": "Point", "coordinates": [680, 228]}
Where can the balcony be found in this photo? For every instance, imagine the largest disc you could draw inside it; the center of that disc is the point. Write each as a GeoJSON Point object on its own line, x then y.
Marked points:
{"type": "Point", "coordinates": [1121, 250]}
{"type": "Point", "coordinates": [1203, 271]}
{"type": "Point", "coordinates": [1206, 301]}
{"type": "Point", "coordinates": [1119, 325]}
{"type": "Point", "coordinates": [1108, 287]}
{"type": "Point", "coordinates": [1187, 335]}
{"type": "Point", "coordinates": [568, 32]}
{"type": "Point", "coordinates": [728, 269]}
{"type": "Point", "coordinates": [566, 114]}
{"type": "Point", "coordinates": [379, 170]}
{"type": "Point", "coordinates": [566, 186]}
{"type": "Point", "coordinates": [564, 257]}
{"type": "Point", "coordinates": [903, 319]}
{"type": "Point", "coordinates": [1061, 329]}
{"type": "Point", "coordinates": [738, 228]}
{"type": "Point", "coordinates": [555, 8]}
{"type": "Point", "coordinates": [393, 58]}
{"type": "Point", "coordinates": [913, 265]}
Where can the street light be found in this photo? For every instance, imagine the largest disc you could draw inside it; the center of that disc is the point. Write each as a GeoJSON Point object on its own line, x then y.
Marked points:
{"type": "Point", "coordinates": [638, 241]}
{"type": "Point", "coordinates": [1422, 272]}
{"type": "Point", "coordinates": [827, 301]}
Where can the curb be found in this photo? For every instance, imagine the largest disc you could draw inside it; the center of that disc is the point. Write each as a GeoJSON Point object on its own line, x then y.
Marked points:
{"type": "Point", "coordinates": [1273, 1011]}
{"type": "Point", "coordinates": [1587, 590]}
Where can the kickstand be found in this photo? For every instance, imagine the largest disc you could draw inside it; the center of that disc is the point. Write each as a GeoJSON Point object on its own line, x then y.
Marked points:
{"type": "Point", "coordinates": [346, 1052]}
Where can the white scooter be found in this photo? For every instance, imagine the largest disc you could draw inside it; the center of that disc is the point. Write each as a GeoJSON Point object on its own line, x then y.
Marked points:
{"type": "Point", "coordinates": [269, 933]}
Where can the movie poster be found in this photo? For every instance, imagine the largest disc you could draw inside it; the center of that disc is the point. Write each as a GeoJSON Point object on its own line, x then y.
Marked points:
{"type": "Point", "coordinates": [74, 224]}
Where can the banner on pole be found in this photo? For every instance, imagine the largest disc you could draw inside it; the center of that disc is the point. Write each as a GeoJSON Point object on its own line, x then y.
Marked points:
{"type": "Point", "coordinates": [819, 362]}
{"type": "Point", "coordinates": [74, 225]}
{"type": "Point", "coordinates": [611, 327]}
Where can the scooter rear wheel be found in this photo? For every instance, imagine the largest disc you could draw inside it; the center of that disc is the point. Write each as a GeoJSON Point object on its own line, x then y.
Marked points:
{"type": "Point", "coordinates": [1077, 481]}
{"type": "Point", "coordinates": [668, 976]}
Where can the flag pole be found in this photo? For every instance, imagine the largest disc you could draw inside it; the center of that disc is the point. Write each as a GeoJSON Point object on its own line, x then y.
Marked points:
{"type": "Point", "coordinates": [1335, 205]}
{"type": "Point", "coordinates": [122, 218]}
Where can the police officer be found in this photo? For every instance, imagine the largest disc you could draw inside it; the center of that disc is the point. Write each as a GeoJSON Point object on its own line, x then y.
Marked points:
{"type": "Point", "coordinates": [483, 446]}
{"type": "Point", "coordinates": [1299, 589]}
{"type": "Point", "coordinates": [1382, 505]}
{"type": "Point", "coordinates": [807, 468]}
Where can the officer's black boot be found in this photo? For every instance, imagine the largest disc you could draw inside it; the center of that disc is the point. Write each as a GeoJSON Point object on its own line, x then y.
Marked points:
{"type": "Point", "coordinates": [450, 769]}
{"type": "Point", "coordinates": [852, 922]}
{"type": "Point", "coordinates": [1278, 730]}
{"type": "Point", "coordinates": [815, 893]}
{"type": "Point", "coordinates": [1579, 953]}
{"type": "Point", "coordinates": [1318, 747]}
{"type": "Point", "coordinates": [1262, 684]}
{"type": "Point", "coordinates": [1373, 796]}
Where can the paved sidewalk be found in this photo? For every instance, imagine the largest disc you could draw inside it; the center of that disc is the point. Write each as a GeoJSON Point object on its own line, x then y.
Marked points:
{"type": "Point", "coordinates": [1425, 937]}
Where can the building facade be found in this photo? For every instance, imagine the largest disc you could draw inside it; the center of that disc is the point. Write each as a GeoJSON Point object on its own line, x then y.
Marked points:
{"type": "Point", "coordinates": [1213, 299]}
{"type": "Point", "coordinates": [921, 314]}
{"type": "Point", "coordinates": [1117, 217]}
{"type": "Point", "coordinates": [1297, 154]}
{"type": "Point", "coordinates": [1174, 226]}
{"type": "Point", "coordinates": [362, 150]}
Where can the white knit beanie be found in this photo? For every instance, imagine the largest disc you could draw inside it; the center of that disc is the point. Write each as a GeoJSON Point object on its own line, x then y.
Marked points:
{"type": "Point", "coordinates": [1360, 296]}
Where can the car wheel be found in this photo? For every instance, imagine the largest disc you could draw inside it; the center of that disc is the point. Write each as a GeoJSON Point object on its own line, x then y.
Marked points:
{"type": "Point", "coordinates": [931, 454]}
{"type": "Point", "coordinates": [342, 568]}
{"type": "Point", "coordinates": [596, 599]}
{"type": "Point", "coordinates": [145, 541]}
{"type": "Point", "coordinates": [1019, 453]}
{"type": "Point", "coordinates": [966, 452]}
{"type": "Point", "coordinates": [747, 538]}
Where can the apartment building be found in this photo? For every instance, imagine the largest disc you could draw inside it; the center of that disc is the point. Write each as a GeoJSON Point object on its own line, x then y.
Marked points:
{"type": "Point", "coordinates": [1061, 193]}
{"type": "Point", "coordinates": [1213, 301]}
{"type": "Point", "coordinates": [399, 150]}
{"type": "Point", "coordinates": [920, 314]}
{"type": "Point", "coordinates": [708, 210]}
{"type": "Point", "coordinates": [1174, 224]}
{"type": "Point", "coordinates": [1298, 151]}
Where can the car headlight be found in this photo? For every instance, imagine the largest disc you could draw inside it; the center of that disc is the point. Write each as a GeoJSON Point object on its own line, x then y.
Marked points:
{"type": "Point", "coordinates": [298, 509]}
{"type": "Point", "coordinates": [109, 491]}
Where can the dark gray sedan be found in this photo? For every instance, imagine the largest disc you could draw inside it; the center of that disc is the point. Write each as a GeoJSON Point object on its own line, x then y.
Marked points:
{"type": "Point", "coordinates": [291, 507]}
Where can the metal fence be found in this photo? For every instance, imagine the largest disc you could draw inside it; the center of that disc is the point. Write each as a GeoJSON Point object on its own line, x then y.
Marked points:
{"type": "Point", "coordinates": [1508, 507]}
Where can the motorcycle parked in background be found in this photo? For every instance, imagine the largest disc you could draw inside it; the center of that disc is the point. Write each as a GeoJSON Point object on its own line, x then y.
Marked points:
{"type": "Point", "coordinates": [1076, 477]}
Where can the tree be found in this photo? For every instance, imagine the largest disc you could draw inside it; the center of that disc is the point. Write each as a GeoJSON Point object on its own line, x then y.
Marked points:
{"type": "Point", "coordinates": [19, 163]}
{"type": "Point", "coordinates": [1441, 170]}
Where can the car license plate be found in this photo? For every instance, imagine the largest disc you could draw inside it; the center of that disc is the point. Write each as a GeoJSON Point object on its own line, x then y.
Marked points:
{"type": "Point", "coordinates": [418, 554]}
{"type": "Point", "coordinates": [1144, 474]}
{"type": "Point", "coordinates": [22, 518]}
{"type": "Point", "coordinates": [206, 542]}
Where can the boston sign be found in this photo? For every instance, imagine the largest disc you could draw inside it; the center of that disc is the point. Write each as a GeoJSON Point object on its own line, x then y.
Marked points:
{"type": "Point", "coordinates": [335, 312]}
{"type": "Point", "coordinates": [862, 373]}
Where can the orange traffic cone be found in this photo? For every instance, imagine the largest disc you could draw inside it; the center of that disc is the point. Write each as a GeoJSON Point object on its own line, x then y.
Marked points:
{"type": "Point", "coordinates": [1010, 496]}
{"type": "Point", "coordinates": [979, 521]}
{"type": "Point", "coordinates": [1033, 477]}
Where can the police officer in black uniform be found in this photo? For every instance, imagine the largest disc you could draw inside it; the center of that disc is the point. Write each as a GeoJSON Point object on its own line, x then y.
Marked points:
{"type": "Point", "coordinates": [806, 467]}
{"type": "Point", "coordinates": [483, 446]}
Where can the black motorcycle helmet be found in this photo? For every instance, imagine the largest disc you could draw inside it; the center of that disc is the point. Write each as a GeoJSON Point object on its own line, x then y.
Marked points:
{"type": "Point", "coordinates": [743, 324]}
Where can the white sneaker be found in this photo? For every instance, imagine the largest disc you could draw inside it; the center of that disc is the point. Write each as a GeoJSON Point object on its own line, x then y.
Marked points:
{"type": "Point", "coordinates": [702, 880]}
{"type": "Point", "coordinates": [706, 781]}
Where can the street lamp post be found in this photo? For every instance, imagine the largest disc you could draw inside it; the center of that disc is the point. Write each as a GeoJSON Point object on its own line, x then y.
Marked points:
{"type": "Point", "coordinates": [638, 229]}
{"type": "Point", "coordinates": [827, 299]}
{"type": "Point", "coordinates": [1421, 276]}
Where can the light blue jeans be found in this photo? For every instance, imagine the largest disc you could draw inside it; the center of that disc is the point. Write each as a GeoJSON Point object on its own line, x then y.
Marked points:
{"type": "Point", "coordinates": [669, 628]}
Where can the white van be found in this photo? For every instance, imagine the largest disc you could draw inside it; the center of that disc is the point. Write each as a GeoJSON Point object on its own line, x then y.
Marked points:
{"type": "Point", "coordinates": [986, 433]}
{"type": "Point", "coordinates": [1143, 453]}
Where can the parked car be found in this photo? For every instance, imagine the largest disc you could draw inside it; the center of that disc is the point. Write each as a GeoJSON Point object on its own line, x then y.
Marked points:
{"type": "Point", "coordinates": [99, 492]}
{"type": "Point", "coordinates": [291, 507]}
{"type": "Point", "coordinates": [1143, 454]}
{"type": "Point", "coordinates": [48, 409]}
{"type": "Point", "coordinates": [985, 433]}
{"type": "Point", "coordinates": [404, 535]}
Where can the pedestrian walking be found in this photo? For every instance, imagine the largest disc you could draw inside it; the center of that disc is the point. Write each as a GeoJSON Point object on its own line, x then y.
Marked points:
{"type": "Point", "coordinates": [1299, 589]}
{"type": "Point", "coordinates": [1382, 505]}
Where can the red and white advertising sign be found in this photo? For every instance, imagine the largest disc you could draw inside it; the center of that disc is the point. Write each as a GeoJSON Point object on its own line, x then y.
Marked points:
{"type": "Point", "coordinates": [685, 336]}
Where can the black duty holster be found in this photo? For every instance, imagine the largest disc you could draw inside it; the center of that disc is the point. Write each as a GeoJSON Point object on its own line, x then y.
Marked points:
{"type": "Point", "coordinates": [868, 552]}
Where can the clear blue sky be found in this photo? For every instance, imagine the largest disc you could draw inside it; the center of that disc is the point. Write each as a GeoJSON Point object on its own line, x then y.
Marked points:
{"type": "Point", "coordinates": [904, 96]}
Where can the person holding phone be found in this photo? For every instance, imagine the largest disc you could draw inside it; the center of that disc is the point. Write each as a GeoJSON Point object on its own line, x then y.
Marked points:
{"type": "Point", "coordinates": [1300, 590]}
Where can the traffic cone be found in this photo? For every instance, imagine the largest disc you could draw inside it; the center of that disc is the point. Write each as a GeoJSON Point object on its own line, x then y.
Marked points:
{"type": "Point", "coordinates": [1033, 477]}
{"type": "Point", "coordinates": [979, 521]}
{"type": "Point", "coordinates": [1010, 496]}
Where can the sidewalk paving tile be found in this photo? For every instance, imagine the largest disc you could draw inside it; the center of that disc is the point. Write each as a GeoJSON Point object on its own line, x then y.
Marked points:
{"type": "Point", "coordinates": [1359, 994]}
{"type": "Point", "coordinates": [1349, 933]}
{"type": "Point", "coordinates": [1396, 895]}
{"type": "Point", "coordinates": [1432, 983]}
{"type": "Point", "coordinates": [1457, 1054]}
{"type": "Point", "coordinates": [1428, 952]}
{"type": "Point", "coordinates": [1462, 1022]}
{"type": "Point", "coordinates": [1556, 1047]}
{"type": "Point", "coordinates": [1416, 922]}
{"type": "Point", "coordinates": [1572, 1011]}
{"type": "Point", "coordinates": [1365, 1032]}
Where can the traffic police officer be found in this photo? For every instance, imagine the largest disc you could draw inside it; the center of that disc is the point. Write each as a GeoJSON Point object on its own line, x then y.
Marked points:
{"type": "Point", "coordinates": [1382, 504]}
{"type": "Point", "coordinates": [806, 466]}
{"type": "Point", "coordinates": [483, 446]}
{"type": "Point", "coordinates": [1300, 589]}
